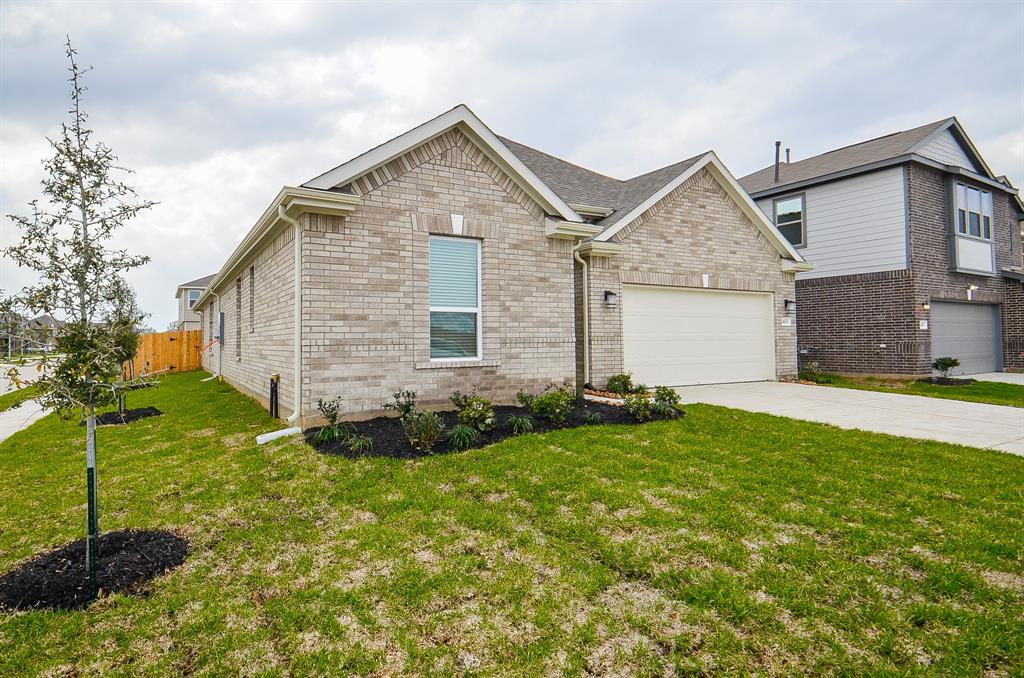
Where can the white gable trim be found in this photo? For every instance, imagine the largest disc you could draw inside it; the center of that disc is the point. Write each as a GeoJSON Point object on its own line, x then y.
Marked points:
{"type": "Point", "coordinates": [953, 125]}
{"type": "Point", "coordinates": [732, 188]}
{"type": "Point", "coordinates": [471, 126]}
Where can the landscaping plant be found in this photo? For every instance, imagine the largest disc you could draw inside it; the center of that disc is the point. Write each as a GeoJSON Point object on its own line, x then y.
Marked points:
{"type": "Point", "coordinates": [666, 395]}
{"type": "Point", "coordinates": [423, 429]}
{"type": "Point", "coordinates": [463, 436]}
{"type": "Point", "coordinates": [639, 405]}
{"type": "Point", "coordinates": [525, 399]}
{"type": "Point", "coordinates": [592, 418]}
{"type": "Point", "coordinates": [519, 424]}
{"type": "Point", "coordinates": [67, 243]}
{"type": "Point", "coordinates": [554, 404]}
{"type": "Point", "coordinates": [333, 429]}
{"type": "Point", "coordinates": [945, 366]}
{"type": "Point", "coordinates": [621, 383]}
{"type": "Point", "coordinates": [360, 444]}
{"type": "Point", "coordinates": [474, 410]}
{"type": "Point", "coordinates": [402, 402]}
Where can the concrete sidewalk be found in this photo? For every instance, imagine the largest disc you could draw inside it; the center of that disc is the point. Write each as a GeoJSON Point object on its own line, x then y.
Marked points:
{"type": "Point", "coordinates": [951, 421]}
{"type": "Point", "coordinates": [18, 418]}
{"type": "Point", "coordinates": [1002, 377]}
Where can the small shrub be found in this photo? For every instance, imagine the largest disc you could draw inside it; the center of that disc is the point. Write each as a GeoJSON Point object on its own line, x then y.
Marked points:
{"type": "Point", "coordinates": [666, 395]}
{"type": "Point", "coordinates": [474, 410]}
{"type": "Point", "coordinates": [463, 436]}
{"type": "Point", "coordinates": [664, 410]}
{"type": "Point", "coordinates": [554, 405]}
{"type": "Point", "coordinates": [423, 429]}
{"type": "Point", "coordinates": [333, 429]}
{"type": "Point", "coordinates": [525, 399]}
{"type": "Point", "coordinates": [640, 388]}
{"type": "Point", "coordinates": [812, 372]}
{"type": "Point", "coordinates": [402, 402]}
{"type": "Point", "coordinates": [592, 418]}
{"type": "Point", "coordinates": [519, 424]}
{"type": "Point", "coordinates": [639, 405]}
{"type": "Point", "coordinates": [945, 365]}
{"type": "Point", "coordinates": [621, 383]}
{"type": "Point", "coordinates": [360, 444]}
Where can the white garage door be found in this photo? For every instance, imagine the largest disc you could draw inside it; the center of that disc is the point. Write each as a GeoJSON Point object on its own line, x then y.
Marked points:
{"type": "Point", "coordinates": [676, 336]}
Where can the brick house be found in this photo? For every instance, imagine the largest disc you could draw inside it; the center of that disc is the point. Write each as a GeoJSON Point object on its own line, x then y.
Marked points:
{"type": "Point", "coordinates": [450, 258]}
{"type": "Point", "coordinates": [917, 248]}
{"type": "Point", "coordinates": [185, 297]}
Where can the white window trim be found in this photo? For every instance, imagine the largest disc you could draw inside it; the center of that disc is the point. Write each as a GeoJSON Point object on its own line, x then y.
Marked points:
{"type": "Point", "coordinates": [967, 214]}
{"type": "Point", "coordinates": [803, 217]}
{"type": "Point", "coordinates": [462, 309]}
{"type": "Point", "coordinates": [190, 301]}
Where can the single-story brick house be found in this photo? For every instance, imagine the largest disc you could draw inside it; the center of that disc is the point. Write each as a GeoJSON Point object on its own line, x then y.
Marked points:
{"type": "Point", "coordinates": [450, 258]}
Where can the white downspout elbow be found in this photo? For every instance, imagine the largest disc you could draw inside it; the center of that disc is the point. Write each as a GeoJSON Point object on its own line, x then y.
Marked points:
{"type": "Point", "coordinates": [586, 312]}
{"type": "Point", "coordinates": [296, 416]}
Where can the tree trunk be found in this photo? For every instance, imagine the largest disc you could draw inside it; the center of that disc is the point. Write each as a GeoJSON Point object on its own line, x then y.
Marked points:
{"type": "Point", "coordinates": [92, 539]}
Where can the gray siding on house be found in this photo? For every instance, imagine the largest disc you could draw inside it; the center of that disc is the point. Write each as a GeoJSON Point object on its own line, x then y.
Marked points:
{"type": "Point", "coordinates": [945, 149]}
{"type": "Point", "coordinates": [857, 225]}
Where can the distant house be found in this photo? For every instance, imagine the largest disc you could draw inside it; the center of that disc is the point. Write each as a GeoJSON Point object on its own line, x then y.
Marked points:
{"type": "Point", "coordinates": [187, 295]}
{"type": "Point", "coordinates": [917, 249]}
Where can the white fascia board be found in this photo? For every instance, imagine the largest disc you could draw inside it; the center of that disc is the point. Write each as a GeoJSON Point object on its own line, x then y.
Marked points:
{"type": "Point", "coordinates": [599, 248]}
{"type": "Point", "coordinates": [296, 200]}
{"type": "Point", "coordinates": [796, 266]}
{"type": "Point", "coordinates": [732, 187]}
{"type": "Point", "coordinates": [569, 230]}
{"type": "Point", "coordinates": [476, 130]}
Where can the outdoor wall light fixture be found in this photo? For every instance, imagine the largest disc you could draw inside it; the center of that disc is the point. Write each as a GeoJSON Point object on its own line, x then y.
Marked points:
{"type": "Point", "coordinates": [789, 305]}
{"type": "Point", "coordinates": [970, 292]}
{"type": "Point", "coordinates": [925, 306]}
{"type": "Point", "coordinates": [611, 300]}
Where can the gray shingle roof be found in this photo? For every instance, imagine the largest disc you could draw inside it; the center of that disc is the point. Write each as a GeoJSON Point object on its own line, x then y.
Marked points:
{"type": "Point", "coordinates": [199, 282]}
{"type": "Point", "coordinates": [840, 159]}
{"type": "Point", "coordinates": [578, 185]}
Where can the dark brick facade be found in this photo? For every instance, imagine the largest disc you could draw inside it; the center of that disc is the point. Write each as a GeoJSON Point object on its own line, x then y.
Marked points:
{"type": "Point", "coordinates": [871, 323]}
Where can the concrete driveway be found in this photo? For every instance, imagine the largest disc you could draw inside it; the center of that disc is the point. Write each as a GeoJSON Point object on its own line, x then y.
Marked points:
{"type": "Point", "coordinates": [951, 421]}
{"type": "Point", "coordinates": [1004, 377]}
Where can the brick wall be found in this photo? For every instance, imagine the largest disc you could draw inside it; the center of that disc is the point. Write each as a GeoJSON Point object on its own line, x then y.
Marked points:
{"type": "Point", "coordinates": [864, 323]}
{"type": "Point", "coordinates": [269, 347]}
{"type": "Point", "coordinates": [695, 229]}
{"type": "Point", "coordinates": [1013, 327]}
{"type": "Point", "coordinates": [366, 277]}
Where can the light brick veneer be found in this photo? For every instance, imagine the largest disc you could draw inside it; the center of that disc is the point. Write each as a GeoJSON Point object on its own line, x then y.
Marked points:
{"type": "Point", "coordinates": [366, 278]}
{"type": "Point", "coordinates": [695, 229]}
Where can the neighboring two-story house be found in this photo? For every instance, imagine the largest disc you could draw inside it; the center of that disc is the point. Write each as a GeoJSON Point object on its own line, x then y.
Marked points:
{"type": "Point", "coordinates": [917, 249]}
{"type": "Point", "coordinates": [186, 296]}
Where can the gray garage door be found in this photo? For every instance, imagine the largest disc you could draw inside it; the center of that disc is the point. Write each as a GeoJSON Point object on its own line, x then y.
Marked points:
{"type": "Point", "coordinates": [969, 333]}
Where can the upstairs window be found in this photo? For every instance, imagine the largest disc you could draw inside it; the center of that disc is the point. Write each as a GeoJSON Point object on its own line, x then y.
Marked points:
{"type": "Point", "coordinates": [789, 219]}
{"type": "Point", "coordinates": [193, 297]}
{"type": "Point", "coordinates": [238, 319]}
{"type": "Point", "coordinates": [252, 299]}
{"type": "Point", "coordinates": [973, 211]}
{"type": "Point", "coordinates": [455, 331]}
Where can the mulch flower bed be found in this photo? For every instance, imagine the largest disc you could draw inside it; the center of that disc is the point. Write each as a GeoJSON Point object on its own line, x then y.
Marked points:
{"type": "Point", "coordinates": [946, 381]}
{"type": "Point", "coordinates": [389, 439]}
{"type": "Point", "coordinates": [114, 419]}
{"type": "Point", "coordinates": [128, 560]}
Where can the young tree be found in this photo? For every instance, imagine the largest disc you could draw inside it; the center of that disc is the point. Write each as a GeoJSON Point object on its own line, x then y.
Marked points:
{"type": "Point", "coordinates": [67, 242]}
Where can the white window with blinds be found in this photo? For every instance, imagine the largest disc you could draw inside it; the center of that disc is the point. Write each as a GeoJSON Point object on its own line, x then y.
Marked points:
{"type": "Point", "coordinates": [455, 327]}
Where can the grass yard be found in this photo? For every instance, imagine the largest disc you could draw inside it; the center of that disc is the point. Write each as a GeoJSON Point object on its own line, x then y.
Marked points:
{"type": "Point", "coordinates": [991, 392]}
{"type": "Point", "coordinates": [722, 542]}
{"type": "Point", "coordinates": [16, 397]}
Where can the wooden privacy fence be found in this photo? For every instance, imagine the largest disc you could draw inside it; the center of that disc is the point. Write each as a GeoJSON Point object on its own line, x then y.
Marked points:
{"type": "Point", "coordinates": [174, 351]}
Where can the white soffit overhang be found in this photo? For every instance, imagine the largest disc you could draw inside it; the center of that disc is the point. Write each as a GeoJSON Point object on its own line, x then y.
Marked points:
{"type": "Point", "coordinates": [296, 201]}
{"type": "Point", "coordinates": [470, 125]}
{"type": "Point", "coordinates": [724, 177]}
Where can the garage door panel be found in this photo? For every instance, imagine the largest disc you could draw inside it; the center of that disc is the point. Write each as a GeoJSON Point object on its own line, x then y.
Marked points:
{"type": "Point", "coordinates": [678, 336]}
{"type": "Point", "coordinates": [968, 333]}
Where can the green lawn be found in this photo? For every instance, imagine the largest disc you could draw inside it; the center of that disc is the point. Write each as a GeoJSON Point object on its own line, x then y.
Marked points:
{"type": "Point", "coordinates": [992, 392]}
{"type": "Point", "coordinates": [722, 542]}
{"type": "Point", "coordinates": [17, 397]}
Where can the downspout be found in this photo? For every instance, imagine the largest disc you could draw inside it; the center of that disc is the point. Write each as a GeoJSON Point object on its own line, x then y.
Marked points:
{"type": "Point", "coordinates": [296, 416]}
{"type": "Point", "coordinates": [220, 341]}
{"type": "Point", "coordinates": [586, 312]}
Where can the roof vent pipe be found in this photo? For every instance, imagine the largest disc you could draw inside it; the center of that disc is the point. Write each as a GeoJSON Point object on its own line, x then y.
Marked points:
{"type": "Point", "coordinates": [787, 155]}
{"type": "Point", "coordinates": [778, 145]}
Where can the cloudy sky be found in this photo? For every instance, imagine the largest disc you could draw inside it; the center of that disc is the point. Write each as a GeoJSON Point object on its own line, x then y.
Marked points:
{"type": "Point", "coordinates": [216, 106]}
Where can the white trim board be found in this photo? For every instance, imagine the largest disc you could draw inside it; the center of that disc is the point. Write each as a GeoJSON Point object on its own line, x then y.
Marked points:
{"type": "Point", "coordinates": [725, 178]}
{"type": "Point", "coordinates": [476, 130]}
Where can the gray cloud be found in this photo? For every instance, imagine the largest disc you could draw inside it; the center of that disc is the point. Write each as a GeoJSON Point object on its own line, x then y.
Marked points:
{"type": "Point", "coordinates": [217, 105]}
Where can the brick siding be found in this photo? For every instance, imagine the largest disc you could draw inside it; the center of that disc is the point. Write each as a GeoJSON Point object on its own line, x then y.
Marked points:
{"type": "Point", "coordinates": [694, 230]}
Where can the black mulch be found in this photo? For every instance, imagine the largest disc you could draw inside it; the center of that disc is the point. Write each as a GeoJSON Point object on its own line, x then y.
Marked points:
{"type": "Point", "coordinates": [947, 381]}
{"type": "Point", "coordinates": [114, 419]}
{"type": "Point", "coordinates": [128, 560]}
{"type": "Point", "coordinates": [389, 439]}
